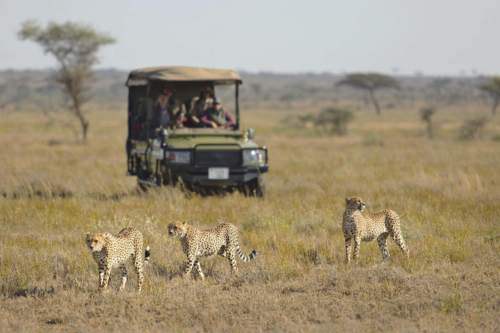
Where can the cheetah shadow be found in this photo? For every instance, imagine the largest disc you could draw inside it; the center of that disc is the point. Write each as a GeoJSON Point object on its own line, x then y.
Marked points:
{"type": "Point", "coordinates": [177, 271]}
{"type": "Point", "coordinates": [35, 292]}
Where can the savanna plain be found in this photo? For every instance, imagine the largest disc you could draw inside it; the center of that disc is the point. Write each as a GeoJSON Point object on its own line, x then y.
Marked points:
{"type": "Point", "coordinates": [447, 191]}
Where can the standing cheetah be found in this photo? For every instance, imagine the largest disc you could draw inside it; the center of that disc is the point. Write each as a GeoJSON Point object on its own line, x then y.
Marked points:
{"type": "Point", "coordinates": [111, 251]}
{"type": "Point", "coordinates": [196, 243]}
{"type": "Point", "coordinates": [359, 227]}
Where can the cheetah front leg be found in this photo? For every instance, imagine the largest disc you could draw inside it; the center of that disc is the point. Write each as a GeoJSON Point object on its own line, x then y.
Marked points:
{"type": "Point", "coordinates": [189, 265]}
{"type": "Point", "coordinates": [222, 251]}
{"type": "Point", "coordinates": [100, 267]}
{"type": "Point", "coordinates": [105, 280]}
{"type": "Point", "coordinates": [382, 244]}
{"type": "Point", "coordinates": [357, 244]}
{"type": "Point", "coordinates": [348, 250]}
{"type": "Point", "coordinates": [198, 269]}
{"type": "Point", "coordinates": [123, 269]}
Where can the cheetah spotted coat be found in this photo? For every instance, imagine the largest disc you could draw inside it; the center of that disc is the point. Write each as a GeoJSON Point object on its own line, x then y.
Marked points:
{"type": "Point", "coordinates": [358, 227]}
{"type": "Point", "coordinates": [111, 251]}
{"type": "Point", "coordinates": [221, 240]}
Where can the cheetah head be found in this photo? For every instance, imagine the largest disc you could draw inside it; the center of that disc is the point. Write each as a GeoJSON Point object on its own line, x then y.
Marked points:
{"type": "Point", "coordinates": [355, 203]}
{"type": "Point", "coordinates": [177, 229]}
{"type": "Point", "coordinates": [95, 242]}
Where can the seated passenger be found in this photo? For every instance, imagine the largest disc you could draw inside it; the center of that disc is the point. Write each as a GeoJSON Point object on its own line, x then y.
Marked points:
{"type": "Point", "coordinates": [179, 118]}
{"type": "Point", "coordinates": [216, 117]}
{"type": "Point", "coordinates": [198, 107]}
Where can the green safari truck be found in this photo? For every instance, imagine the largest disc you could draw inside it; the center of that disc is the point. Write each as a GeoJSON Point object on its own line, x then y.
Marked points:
{"type": "Point", "coordinates": [180, 133]}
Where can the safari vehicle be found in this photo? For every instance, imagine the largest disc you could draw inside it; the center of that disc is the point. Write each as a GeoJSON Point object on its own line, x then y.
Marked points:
{"type": "Point", "coordinates": [194, 157]}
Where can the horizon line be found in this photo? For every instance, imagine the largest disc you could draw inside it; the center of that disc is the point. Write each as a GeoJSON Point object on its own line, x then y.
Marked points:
{"type": "Point", "coordinates": [416, 73]}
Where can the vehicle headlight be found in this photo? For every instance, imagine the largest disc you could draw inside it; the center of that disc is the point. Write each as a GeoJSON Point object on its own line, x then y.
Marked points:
{"type": "Point", "coordinates": [254, 157]}
{"type": "Point", "coordinates": [181, 157]}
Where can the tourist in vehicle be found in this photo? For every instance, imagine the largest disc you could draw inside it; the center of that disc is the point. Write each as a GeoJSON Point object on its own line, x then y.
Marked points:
{"type": "Point", "coordinates": [179, 114]}
{"type": "Point", "coordinates": [198, 107]}
{"type": "Point", "coordinates": [216, 117]}
{"type": "Point", "coordinates": [162, 114]}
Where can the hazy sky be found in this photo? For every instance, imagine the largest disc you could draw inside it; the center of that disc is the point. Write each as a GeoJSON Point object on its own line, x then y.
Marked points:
{"type": "Point", "coordinates": [405, 36]}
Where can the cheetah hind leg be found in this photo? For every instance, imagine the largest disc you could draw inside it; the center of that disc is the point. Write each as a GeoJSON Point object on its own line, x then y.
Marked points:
{"type": "Point", "coordinates": [397, 236]}
{"type": "Point", "coordinates": [399, 240]}
{"type": "Point", "coordinates": [138, 261]}
{"type": "Point", "coordinates": [231, 256]}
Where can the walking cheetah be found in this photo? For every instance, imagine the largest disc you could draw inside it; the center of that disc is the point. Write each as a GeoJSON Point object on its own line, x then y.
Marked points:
{"type": "Point", "coordinates": [196, 243]}
{"type": "Point", "coordinates": [111, 251]}
{"type": "Point", "coordinates": [359, 227]}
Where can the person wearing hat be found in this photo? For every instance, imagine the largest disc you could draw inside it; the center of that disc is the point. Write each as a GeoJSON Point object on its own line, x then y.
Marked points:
{"type": "Point", "coordinates": [215, 116]}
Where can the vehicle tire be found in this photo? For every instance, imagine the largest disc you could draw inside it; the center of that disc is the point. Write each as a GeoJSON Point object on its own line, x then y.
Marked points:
{"type": "Point", "coordinates": [143, 179]}
{"type": "Point", "coordinates": [142, 187]}
{"type": "Point", "coordinates": [255, 188]}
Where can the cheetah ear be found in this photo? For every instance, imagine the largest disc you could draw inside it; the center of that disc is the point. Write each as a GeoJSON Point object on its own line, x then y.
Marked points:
{"type": "Point", "coordinates": [346, 200]}
{"type": "Point", "coordinates": [87, 235]}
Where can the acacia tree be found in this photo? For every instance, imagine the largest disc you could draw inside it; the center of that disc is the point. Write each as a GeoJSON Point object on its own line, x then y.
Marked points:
{"type": "Point", "coordinates": [492, 88]}
{"type": "Point", "coordinates": [370, 82]}
{"type": "Point", "coordinates": [75, 48]}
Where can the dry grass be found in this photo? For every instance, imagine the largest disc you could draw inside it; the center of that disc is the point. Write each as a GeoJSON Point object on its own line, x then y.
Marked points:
{"type": "Point", "coordinates": [53, 191]}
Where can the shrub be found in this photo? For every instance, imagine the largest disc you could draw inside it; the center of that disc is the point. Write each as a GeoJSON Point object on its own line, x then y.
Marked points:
{"type": "Point", "coordinates": [334, 120]}
{"type": "Point", "coordinates": [373, 140]}
{"type": "Point", "coordinates": [472, 128]}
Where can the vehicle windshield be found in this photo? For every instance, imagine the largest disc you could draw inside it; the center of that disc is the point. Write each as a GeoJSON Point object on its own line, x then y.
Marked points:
{"type": "Point", "coordinates": [181, 105]}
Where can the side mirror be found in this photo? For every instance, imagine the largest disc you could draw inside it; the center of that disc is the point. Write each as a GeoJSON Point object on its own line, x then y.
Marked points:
{"type": "Point", "coordinates": [250, 134]}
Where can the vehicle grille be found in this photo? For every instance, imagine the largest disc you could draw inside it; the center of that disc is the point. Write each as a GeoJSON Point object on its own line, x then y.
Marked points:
{"type": "Point", "coordinates": [229, 158]}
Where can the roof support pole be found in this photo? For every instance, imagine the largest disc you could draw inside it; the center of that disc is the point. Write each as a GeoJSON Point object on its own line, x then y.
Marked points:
{"type": "Point", "coordinates": [237, 104]}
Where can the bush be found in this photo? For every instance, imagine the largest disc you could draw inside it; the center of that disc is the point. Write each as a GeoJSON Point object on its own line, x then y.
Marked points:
{"type": "Point", "coordinates": [427, 113]}
{"type": "Point", "coordinates": [472, 128]}
{"type": "Point", "coordinates": [373, 140]}
{"type": "Point", "coordinates": [334, 120]}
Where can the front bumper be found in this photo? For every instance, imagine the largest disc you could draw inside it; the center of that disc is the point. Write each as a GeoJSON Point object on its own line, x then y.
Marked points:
{"type": "Point", "coordinates": [198, 176]}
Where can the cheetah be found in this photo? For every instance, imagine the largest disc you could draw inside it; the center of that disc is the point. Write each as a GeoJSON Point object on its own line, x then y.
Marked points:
{"type": "Point", "coordinates": [359, 227]}
{"type": "Point", "coordinates": [111, 251]}
{"type": "Point", "coordinates": [221, 240]}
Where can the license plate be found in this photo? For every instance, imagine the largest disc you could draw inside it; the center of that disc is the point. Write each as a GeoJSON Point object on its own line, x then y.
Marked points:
{"type": "Point", "coordinates": [218, 173]}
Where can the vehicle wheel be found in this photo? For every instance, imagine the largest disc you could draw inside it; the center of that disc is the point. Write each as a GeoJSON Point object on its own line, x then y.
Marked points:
{"type": "Point", "coordinates": [143, 180]}
{"type": "Point", "coordinates": [255, 188]}
{"type": "Point", "coordinates": [141, 186]}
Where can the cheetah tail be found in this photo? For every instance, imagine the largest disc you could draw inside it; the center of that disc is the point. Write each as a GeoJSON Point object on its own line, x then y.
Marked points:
{"type": "Point", "coordinates": [245, 258]}
{"type": "Point", "coordinates": [147, 255]}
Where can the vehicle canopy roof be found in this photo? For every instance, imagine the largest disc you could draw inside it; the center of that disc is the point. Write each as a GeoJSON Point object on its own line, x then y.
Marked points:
{"type": "Point", "coordinates": [140, 77]}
